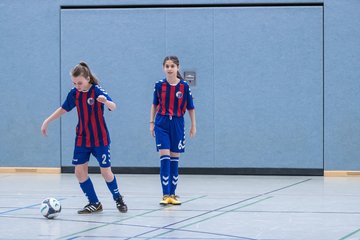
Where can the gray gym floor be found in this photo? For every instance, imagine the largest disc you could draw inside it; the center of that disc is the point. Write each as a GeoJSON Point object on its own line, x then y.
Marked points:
{"type": "Point", "coordinates": [214, 207]}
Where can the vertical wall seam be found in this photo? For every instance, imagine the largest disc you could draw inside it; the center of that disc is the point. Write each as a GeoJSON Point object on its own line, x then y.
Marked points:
{"type": "Point", "coordinates": [213, 78]}
{"type": "Point", "coordinates": [60, 85]}
{"type": "Point", "coordinates": [323, 81]}
{"type": "Point", "coordinates": [166, 51]}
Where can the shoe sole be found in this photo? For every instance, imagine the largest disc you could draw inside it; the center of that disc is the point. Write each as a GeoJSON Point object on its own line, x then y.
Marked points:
{"type": "Point", "coordinates": [97, 211]}
{"type": "Point", "coordinates": [123, 211]}
{"type": "Point", "coordinates": [87, 213]}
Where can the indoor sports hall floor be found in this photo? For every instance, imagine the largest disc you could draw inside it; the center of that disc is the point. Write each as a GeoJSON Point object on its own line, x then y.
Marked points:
{"type": "Point", "coordinates": [214, 207]}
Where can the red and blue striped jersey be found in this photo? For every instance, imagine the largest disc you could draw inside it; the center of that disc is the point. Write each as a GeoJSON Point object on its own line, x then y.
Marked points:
{"type": "Point", "coordinates": [91, 130]}
{"type": "Point", "coordinates": [172, 100]}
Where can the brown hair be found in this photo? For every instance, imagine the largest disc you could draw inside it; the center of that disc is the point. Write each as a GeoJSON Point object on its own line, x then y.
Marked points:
{"type": "Point", "coordinates": [175, 60]}
{"type": "Point", "coordinates": [82, 69]}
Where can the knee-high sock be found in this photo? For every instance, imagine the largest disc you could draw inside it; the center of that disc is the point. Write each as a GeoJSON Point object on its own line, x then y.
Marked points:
{"type": "Point", "coordinates": [88, 188]}
{"type": "Point", "coordinates": [165, 174]}
{"type": "Point", "coordinates": [174, 174]}
{"type": "Point", "coordinates": [113, 187]}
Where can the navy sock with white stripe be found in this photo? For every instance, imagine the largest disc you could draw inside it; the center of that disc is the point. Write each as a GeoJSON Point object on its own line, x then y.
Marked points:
{"type": "Point", "coordinates": [174, 174]}
{"type": "Point", "coordinates": [88, 188]}
{"type": "Point", "coordinates": [165, 174]}
{"type": "Point", "coordinates": [113, 187]}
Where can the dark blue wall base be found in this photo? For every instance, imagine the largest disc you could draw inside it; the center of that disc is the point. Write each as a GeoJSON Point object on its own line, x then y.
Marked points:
{"type": "Point", "coordinates": [210, 171]}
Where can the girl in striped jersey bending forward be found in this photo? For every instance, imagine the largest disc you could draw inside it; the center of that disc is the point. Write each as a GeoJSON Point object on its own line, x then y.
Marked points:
{"type": "Point", "coordinates": [92, 136]}
{"type": "Point", "coordinates": [172, 97]}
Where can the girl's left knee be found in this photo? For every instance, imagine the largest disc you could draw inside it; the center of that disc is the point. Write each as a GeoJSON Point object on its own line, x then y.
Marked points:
{"type": "Point", "coordinates": [174, 154]}
{"type": "Point", "coordinates": [107, 174]}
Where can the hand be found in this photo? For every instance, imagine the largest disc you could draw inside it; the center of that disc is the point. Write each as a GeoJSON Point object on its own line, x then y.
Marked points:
{"type": "Point", "coordinates": [44, 128]}
{"type": "Point", "coordinates": [192, 131]}
{"type": "Point", "coordinates": [152, 126]}
{"type": "Point", "coordinates": [101, 99]}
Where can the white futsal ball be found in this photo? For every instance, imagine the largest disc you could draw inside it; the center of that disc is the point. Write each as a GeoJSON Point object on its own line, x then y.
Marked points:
{"type": "Point", "coordinates": [50, 208]}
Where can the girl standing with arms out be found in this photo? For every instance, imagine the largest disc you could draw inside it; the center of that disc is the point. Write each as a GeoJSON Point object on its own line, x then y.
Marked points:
{"type": "Point", "coordinates": [172, 96]}
{"type": "Point", "coordinates": [92, 136]}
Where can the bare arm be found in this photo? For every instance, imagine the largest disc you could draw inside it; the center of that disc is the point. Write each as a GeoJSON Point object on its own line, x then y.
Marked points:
{"type": "Point", "coordinates": [55, 115]}
{"type": "Point", "coordinates": [193, 123]}
{"type": "Point", "coordinates": [109, 104]}
{"type": "Point", "coordinates": [152, 119]}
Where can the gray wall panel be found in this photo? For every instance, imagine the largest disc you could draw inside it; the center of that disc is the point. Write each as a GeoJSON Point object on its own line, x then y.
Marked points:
{"type": "Point", "coordinates": [29, 73]}
{"type": "Point", "coordinates": [268, 87]}
{"type": "Point", "coordinates": [342, 74]}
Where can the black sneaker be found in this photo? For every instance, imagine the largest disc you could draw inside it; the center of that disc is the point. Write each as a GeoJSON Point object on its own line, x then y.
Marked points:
{"type": "Point", "coordinates": [91, 208]}
{"type": "Point", "coordinates": [121, 206]}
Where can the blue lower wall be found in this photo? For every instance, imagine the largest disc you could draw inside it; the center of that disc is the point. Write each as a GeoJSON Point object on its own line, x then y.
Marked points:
{"type": "Point", "coordinates": [342, 74]}
{"type": "Point", "coordinates": [29, 75]}
{"type": "Point", "coordinates": [278, 89]}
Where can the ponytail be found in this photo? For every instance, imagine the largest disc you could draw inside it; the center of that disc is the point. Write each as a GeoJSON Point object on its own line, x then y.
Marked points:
{"type": "Point", "coordinates": [82, 69]}
{"type": "Point", "coordinates": [178, 75]}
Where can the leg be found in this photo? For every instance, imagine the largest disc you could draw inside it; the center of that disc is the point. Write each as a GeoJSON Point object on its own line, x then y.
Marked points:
{"type": "Point", "coordinates": [81, 172]}
{"type": "Point", "coordinates": [80, 160]}
{"type": "Point", "coordinates": [162, 139]}
{"type": "Point", "coordinates": [111, 182]}
{"type": "Point", "coordinates": [174, 176]}
{"type": "Point", "coordinates": [177, 147]}
{"type": "Point", "coordinates": [165, 171]}
{"type": "Point", "coordinates": [174, 171]}
{"type": "Point", "coordinates": [102, 154]}
{"type": "Point", "coordinates": [107, 174]}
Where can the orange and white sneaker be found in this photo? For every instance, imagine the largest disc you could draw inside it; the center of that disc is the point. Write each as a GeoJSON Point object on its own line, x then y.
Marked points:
{"type": "Point", "coordinates": [165, 200]}
{"type": "Point", "coordinates": [174, 200]}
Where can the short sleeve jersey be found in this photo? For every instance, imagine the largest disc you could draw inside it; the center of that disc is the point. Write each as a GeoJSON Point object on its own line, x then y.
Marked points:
{"type": "Point", "coordinates": [172, 100]}
{"type": "Point", "coordinates": [91, 130]}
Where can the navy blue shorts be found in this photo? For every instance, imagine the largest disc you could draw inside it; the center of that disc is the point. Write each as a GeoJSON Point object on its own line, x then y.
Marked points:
{"type": "Point", "coordinates": [102, 154]}
{"type": "Point", "coordinates": [170, 133]}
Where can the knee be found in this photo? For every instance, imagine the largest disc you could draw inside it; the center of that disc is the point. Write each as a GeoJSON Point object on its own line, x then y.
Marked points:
{"type": "Point", "coordinates": [174, 154]}
{"type": "Point", "coordinates": [164, 152]}
{"type": "Point", "coordinates": [107, 174]}
{"type": "Point", "coordinates": [81, 175]}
